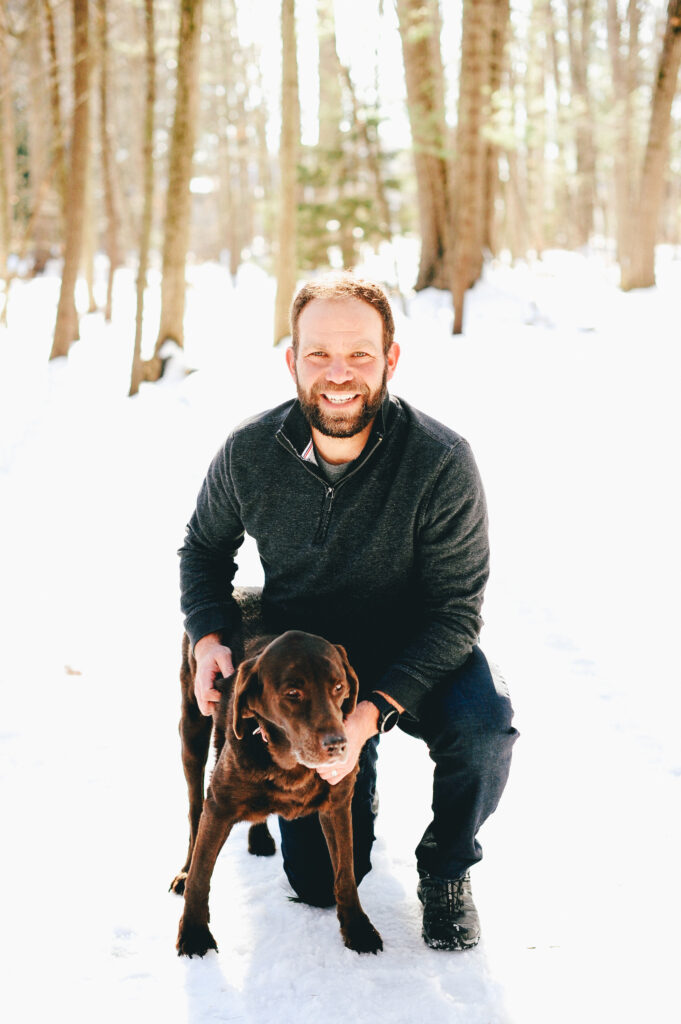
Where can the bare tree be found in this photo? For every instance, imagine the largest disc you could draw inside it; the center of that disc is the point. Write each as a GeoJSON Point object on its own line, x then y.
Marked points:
{"type": "Point", "coordinates": [471, 149]}
{"type": "Point", "coordinates": [288, 161]}
{"type": "Point", "coordinates": [137, 374]}
{"type": "Point", "coordinates": [638, 258]}
{"type": "Point", "coordinates": [112, 246]}
{"type": "Point", "coordinates": [178, 200]}
{"type": "Point", "coordinates": [66, 327]}
{"type": "Point", "coordinates": [580, 18]}
{"type": "Point", "coordinates": [7, 145]}
{"type": "Point", "coordinates": [420, 33]}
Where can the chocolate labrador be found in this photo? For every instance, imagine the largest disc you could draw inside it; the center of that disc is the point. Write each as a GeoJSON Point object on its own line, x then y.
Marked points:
{"type": "Point", "coordinates": [280, 716]}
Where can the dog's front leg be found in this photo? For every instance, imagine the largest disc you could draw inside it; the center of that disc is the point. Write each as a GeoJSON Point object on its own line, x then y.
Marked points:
{"type": "Point", "coordinates": [194, 935]}
{"type": "Point", "coordinates": [356, 928]}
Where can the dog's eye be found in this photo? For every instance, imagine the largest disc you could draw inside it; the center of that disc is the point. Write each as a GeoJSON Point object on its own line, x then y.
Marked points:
{"type": "Point", "coordinates": [293, 695]}
{"type": "Point", "coordinates": [338, 687]}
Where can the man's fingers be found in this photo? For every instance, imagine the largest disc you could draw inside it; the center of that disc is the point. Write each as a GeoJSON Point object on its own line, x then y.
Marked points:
{"type": "Point", "coordinates": [225, 663]}
{"type": "Point", "coordinates": [206, 701]}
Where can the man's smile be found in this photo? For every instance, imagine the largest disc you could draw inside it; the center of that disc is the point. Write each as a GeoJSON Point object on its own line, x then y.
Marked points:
{"type": "Point", "coordinates": [339, 399]}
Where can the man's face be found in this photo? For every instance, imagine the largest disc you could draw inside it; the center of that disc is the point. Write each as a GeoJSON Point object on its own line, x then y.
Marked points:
{"type": "Point", "coordinates": [341, 372]}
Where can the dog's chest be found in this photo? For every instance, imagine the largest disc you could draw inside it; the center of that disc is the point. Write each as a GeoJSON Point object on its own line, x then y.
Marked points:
{"type": "Point", "coordinates": [253, 795]}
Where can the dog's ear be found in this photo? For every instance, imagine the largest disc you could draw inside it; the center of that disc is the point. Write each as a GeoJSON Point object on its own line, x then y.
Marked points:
{"type": "Point", "coordinates": [246, 678]}
{"type": "Point", "coordinates": [350, 702]}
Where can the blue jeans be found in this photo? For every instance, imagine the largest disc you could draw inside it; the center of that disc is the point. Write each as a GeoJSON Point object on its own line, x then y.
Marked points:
{"type": "Point", "coordinates": [466, 723]}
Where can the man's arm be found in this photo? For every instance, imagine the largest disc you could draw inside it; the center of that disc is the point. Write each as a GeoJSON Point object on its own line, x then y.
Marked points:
{"type": "Point", "coordinates": [207, 557]}
{"type": "Point", "coordinates": [207, 568]}
{"type": "Point", "coordinates": [452, 567]}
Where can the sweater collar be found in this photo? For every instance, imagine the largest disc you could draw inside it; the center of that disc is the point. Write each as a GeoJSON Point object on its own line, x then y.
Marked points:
{"type": "Point", "coordinates": [296, 428]}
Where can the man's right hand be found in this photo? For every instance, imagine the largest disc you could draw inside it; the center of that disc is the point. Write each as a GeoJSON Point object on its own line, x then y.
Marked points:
{"type": "Point", "coordinates": [212, 659]}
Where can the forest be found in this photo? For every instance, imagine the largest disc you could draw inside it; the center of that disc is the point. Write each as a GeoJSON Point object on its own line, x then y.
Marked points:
{"type": "Point", "coordinates": [300, 134]}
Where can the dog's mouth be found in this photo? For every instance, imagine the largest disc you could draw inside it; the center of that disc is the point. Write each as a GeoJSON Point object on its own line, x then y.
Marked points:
{"type": "Point", "coordinates": [323, 762]}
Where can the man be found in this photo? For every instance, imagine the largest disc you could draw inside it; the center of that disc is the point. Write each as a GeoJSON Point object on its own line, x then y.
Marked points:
{"type": "Point", "coordinates": [371, 526]}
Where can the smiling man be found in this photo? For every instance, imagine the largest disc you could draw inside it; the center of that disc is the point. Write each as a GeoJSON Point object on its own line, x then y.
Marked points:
{"type": "Point", "coordinates": [371, 526]}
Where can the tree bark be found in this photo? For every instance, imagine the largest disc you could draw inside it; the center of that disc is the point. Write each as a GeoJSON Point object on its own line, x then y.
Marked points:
{"type": "Point", "coordinates": [58, 134]}
{"type": "Point", "coordinates": [624, 61]}
{"type": "Point", "coordinates": [66, 327]}
{"type": "Point", "coordinates": [580, 16]}
{"type": "Point", "coordinates": [137, 375]}
{"type": "Point", "coordinates": [8, 183]}
{"type": "Point", "coordinates": [420, 34]}
{"type": "Point", "coordinates": [288, 161]}
{"type": "Point", "coordinates": [178, 202]}
{"type": "Point", "coordinates": [476, 42]}
{"type": "Point", "coordinates": [499, 34]}
{"type": "Point", "coordinates": [112, 245]}
{"type": "Point", "coordinates": [638, 264]}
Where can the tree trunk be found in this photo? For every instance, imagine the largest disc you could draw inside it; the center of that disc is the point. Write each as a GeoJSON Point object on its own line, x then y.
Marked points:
{"type": "Point", "coordinates": [420, 33]}
{"type": "Point", "coordinates": [112, 247]}
{"type": "Point", "coordinates": [580, 17]}
{"type": "Point", "coordinates": [178, 202]}
{"type": "Point", "coordinates": [624, 62]}
{"type": "Point", "coordinates": [638, 266]}
{"type": "Point", "coordinates": [476, 42]}
{"type": "Point", "coordinates": [8, 185]}
{"type": "Point", "coordinates": [288, 161]}
{"type": "Point", "coordinates": [499, 34]}
{"type": "Point", "coordinates": [58, 134]}
{"type": "Point", "coordinates": [66, 328]}
{"type": "Point", "coordinates": [535, 99]}
{"type": "Point", "coordinates": [147, 212]}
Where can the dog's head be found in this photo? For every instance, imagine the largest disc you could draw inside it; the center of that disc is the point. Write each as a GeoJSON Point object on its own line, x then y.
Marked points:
{"type": "Point", "coordinates": [300, 687]}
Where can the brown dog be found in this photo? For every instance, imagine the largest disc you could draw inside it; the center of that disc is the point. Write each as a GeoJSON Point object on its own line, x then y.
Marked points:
{"type": "Point", "coordinates": [296, 689]}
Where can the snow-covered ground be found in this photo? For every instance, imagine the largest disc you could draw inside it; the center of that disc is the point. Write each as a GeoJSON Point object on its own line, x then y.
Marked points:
{"type": "Point", "coordinates": [568, 391]}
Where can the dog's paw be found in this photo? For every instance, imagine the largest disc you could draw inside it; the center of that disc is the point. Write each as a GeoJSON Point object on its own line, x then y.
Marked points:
{"type": "Point", "coordinates": [359, 934]}
{"type": "Point", "coordinates": [260, 842]}
{"type": "Point", "coordinates": [194, 940]}
{"type": "Point", "coordinates": [177, 884]}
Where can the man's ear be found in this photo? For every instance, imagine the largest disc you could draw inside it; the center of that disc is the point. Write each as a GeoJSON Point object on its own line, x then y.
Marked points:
{"type": "Point", "coordinates": [291, 362]}
{"type": "Point", "coordinates": [350, 702]}
{"type": "Point", "coordinates": [391, 359]}
{"type": "Point", "coordinates": [245, 683]}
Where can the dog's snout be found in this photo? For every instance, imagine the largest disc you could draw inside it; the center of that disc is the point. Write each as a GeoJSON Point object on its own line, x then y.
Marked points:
{"type": "Point", "coordinates": [334, 742]}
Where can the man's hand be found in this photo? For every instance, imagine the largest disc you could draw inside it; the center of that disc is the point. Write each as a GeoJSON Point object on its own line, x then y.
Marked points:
{"type": "Point", "coordinates": [212, 659]}
{"type": "Point", "coordinates": [359, 726]}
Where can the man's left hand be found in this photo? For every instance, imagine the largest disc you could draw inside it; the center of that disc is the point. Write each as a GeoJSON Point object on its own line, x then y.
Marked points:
{"type": "Point", "coordinates": [359, 726]}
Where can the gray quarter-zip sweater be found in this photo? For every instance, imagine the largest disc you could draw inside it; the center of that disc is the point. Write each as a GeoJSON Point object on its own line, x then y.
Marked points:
{"type": "Point", "coordinates": [391, 560]}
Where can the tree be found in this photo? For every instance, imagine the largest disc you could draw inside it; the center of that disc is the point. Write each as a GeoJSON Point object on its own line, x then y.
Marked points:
{"type": "Point", "coordinates": [7, 145]}
{"type": "Point", "coordinates": [178, 199]}
{"type": "Point", "coordinates": [580, 17]}
{"type": "Point", "coordinates": [112, 246]}
{"type": "Point", "coordinates": [288, 161]}
{"type": "Point", "coordinates": [471, 149]}
{"type": "Point", "coordinates": [420, 34]}
{"type": "Point", "coordinates": [147, 211]}
{"type": "Point", "coordinates": [638, 253]}
{"type": "Point", "coordinates": [66, 327]}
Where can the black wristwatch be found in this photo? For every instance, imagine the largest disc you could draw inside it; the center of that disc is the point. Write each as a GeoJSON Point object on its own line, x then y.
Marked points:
{"type": "Point", "coordinates": [388, 715]}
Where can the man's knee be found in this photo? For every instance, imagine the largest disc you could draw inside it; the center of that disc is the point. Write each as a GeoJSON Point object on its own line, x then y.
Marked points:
{"type": "Point", "coordinates": [470, 712]}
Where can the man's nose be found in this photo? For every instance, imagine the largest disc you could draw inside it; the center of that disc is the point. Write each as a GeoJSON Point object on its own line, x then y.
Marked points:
{"type": "Point", "coordinates": [339, 370]}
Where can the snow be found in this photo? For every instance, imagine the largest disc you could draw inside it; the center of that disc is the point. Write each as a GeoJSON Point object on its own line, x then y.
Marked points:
{"type": "Point", "coordinates": [568, 391]}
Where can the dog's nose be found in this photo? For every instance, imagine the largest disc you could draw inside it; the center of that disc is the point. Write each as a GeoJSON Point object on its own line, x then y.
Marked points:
{"type": "Point", "coordinates": [334, 742]}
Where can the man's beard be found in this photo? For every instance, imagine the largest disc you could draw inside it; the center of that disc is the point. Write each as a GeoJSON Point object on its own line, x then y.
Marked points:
{"type": "Point", "coordinates": [341, 424]}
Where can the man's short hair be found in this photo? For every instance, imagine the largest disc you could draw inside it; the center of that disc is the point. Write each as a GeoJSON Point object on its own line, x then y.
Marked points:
{"type": "Point", "coordinates": [344, 285]}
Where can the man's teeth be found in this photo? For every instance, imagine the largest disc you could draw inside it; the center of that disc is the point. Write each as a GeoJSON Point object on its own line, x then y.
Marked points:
{"type": "Point", "coordinates": [339, 399]}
